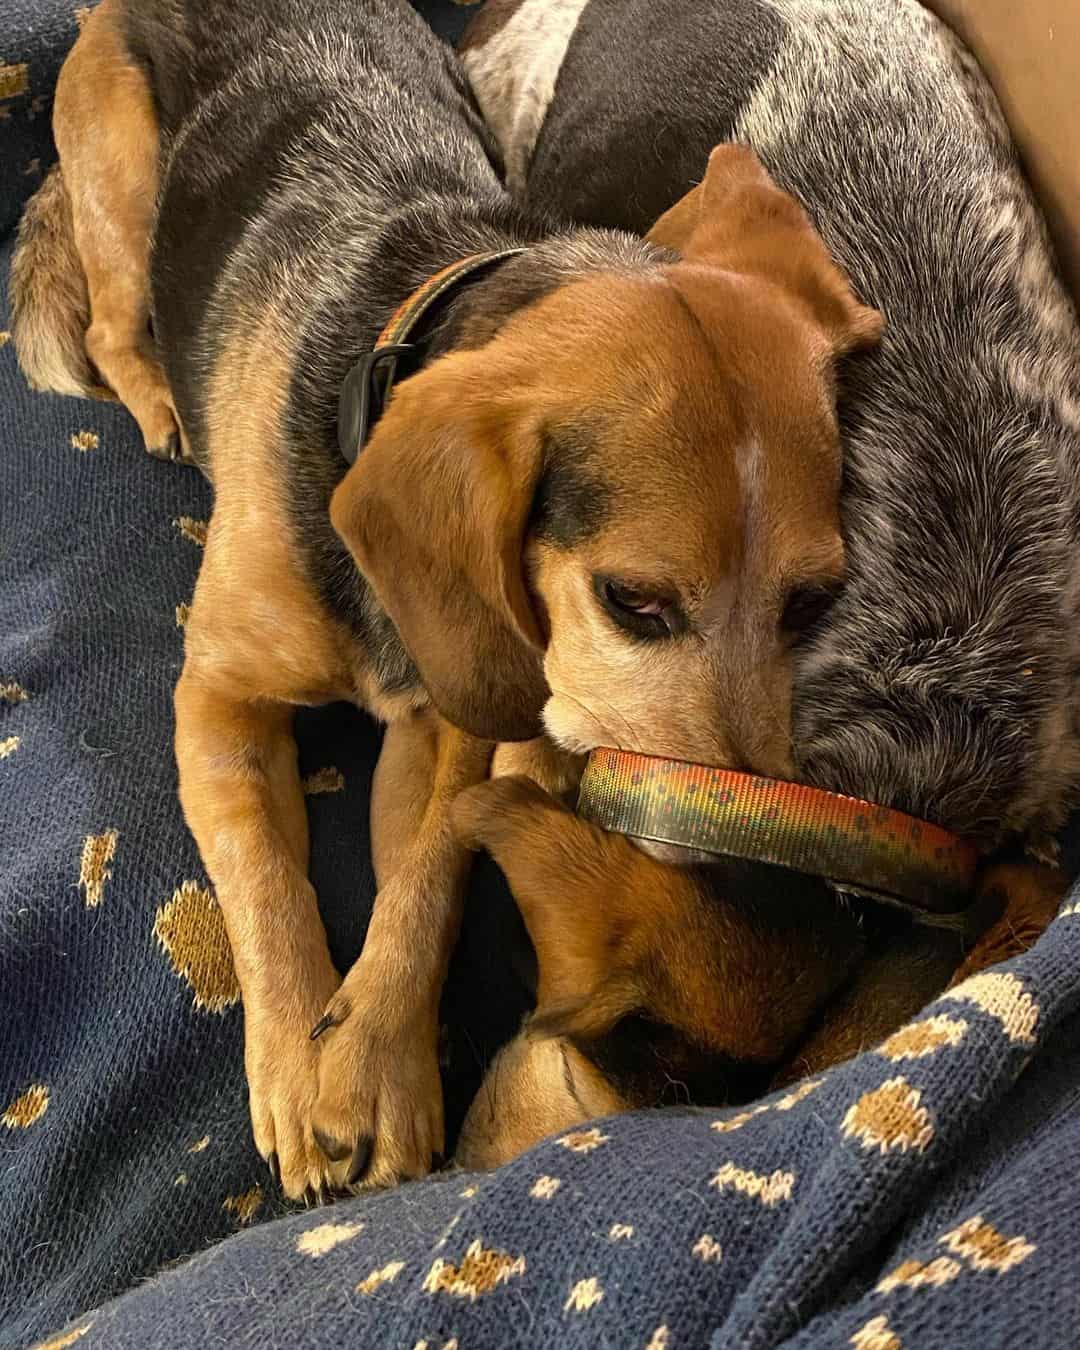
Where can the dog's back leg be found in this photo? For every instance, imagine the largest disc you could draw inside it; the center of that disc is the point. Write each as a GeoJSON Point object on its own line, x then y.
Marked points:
{"type": "Point", "coordinates": [107, 133]}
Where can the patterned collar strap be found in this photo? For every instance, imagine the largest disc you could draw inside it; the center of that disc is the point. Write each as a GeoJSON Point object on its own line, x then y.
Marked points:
{"type": "Point", "coordinates": [367, 387]}
{"type": "Point", "coordinates": [854, 845]}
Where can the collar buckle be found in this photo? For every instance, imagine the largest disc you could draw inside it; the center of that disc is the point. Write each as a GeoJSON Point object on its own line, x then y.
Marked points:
{"type": "Point", "coordinates": [364, 395]}
{"type": "Point", "coordinates": [367, 387]}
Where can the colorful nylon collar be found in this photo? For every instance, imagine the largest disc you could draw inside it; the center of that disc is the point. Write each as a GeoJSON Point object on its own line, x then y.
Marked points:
{"type": "Point", "coordinates": [854, 845]}
{"type": "Point", "coordinates": [367, 387]}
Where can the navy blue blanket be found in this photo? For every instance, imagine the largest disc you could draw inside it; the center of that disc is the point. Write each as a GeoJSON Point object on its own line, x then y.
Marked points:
{"type": "Point", "coordinates": [925, 1194]}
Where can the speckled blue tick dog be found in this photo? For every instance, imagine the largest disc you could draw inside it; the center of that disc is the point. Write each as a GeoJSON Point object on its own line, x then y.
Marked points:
{"type": "Point", "coordinates": [944, 682]}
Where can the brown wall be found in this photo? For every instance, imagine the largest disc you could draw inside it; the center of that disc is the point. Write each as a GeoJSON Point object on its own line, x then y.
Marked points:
{"type": "Point", "coordinates": [1030, 51]}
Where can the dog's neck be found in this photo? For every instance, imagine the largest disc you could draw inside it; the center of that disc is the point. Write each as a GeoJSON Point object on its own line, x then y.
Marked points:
{"type": "Point", "coordinates": [452, 308]}
{"type": "Point", "coordinates": [403, 347]}
{"type": "Point", "coordinates": [411, 244]}
{"type": "Point", "coordinates": [421, 240]}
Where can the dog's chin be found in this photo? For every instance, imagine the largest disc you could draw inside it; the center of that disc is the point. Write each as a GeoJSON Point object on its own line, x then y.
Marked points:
{"type": "Point", "coordinates": [578, 730]}
{"type": "Point", "coordinates": [575, 729]}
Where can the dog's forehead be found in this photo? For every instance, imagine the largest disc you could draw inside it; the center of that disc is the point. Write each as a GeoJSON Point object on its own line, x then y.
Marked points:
{"type": "Point", "coordinates": [635, 327]}
{"type": "Point", "coordinates": [685, 452]}
{"type": "Point", "coordinates": [680, 412]}
{"type": "Point", "coordinates": [660, 475]}
{"type": "Point", "coordinates": [686, 362]}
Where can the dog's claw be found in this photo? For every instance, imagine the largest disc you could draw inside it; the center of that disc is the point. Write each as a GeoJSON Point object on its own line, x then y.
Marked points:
{"type": "Point", "coordinates": [334, 1149]}
{"type": "Point", "coordinates": [275, 1168]}
{"type": "Point", "coordinates": [361, 1159]}
{"type": "Point", "coordinates": [168, 449]}
{"type": "Point", "coordinates": [323, 1024]}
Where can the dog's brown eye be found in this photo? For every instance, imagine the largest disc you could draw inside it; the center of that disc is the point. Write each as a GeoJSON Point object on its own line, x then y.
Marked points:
{"type": "Point", "coordinates": [806, 606]}
{"type": "Point", "coordinates": [634, 600]}
{"type": "Point", "coordinates": [641, 612]}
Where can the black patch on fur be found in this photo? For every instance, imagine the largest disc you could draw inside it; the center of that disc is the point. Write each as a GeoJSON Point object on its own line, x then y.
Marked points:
{"type": "Point", "coordinates": [689, 66]}
{"type": "Point", "coordinates": [192, 244]}
{"type": "Point", "coordinates": [650, 1064]}
{"type": "Point", "coordinates": [571, 503]}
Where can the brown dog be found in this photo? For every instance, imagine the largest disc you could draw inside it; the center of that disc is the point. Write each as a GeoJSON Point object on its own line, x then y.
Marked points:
{"type": "Point", "coordinates": [605, 504]}
{"type": "Point", "coordinates": [662, 985]}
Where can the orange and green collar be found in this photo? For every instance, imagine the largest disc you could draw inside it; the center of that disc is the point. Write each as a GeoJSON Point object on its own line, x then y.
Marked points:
{"type": "Point", "coordinates": [368, 384]}
{"type": "Point", "coordinates": [854, 845]}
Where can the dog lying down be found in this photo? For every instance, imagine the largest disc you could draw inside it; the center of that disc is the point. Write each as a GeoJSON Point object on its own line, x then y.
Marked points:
{"type": "Point", "coordinates": [705, 984]}
{"type": "Point", "coordinates": [942, 682]}
{"type": "Point", "coordinates": [606, 465]}
{"type": "Point", "coordinates": [665, 481]}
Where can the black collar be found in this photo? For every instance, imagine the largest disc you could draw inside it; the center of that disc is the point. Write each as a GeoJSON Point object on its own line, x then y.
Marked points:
{"type": "Point", "coordinates": [368, 385]}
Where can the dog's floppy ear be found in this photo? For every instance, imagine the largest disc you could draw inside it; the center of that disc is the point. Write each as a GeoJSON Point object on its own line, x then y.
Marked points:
{"type": "Point", "coordinates": [434, 512]}
{"type": "Point", "coordinates": [738, 219]}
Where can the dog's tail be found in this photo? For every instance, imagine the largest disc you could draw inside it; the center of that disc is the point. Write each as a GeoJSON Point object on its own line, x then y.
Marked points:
{"type": "Point", "coordinates": [50, 302]}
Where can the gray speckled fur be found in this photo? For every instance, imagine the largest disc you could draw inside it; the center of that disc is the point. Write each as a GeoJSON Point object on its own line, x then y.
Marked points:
{"type": "Point", "coordinates": [945, 681]}
{"type": "Point", "coordinates": [323, 160]}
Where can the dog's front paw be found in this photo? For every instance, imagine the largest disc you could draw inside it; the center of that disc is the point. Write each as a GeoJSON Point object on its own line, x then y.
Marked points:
{"type": "Point", "coordinates": [487, 814]}
{"type": "Point", "coordinates": [379, 1113]}
{"type": "Point", "coordinates": [162, 433]}
{"type": "Point", "coordinates": [283, 1082]}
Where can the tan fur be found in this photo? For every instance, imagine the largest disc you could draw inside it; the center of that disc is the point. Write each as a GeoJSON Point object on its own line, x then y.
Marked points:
{"type": "Point", "coordinates": [379, 1073]}
{"type": "Point", "coordinates": [901, 979]}
{"type": "Point", "coordinates": [536, 1086]}
{"type": "Point", "coordinates": [737, 217]}
{"type": "Point", "coordinates": [490, 618]}
{"type": "Point", "coordinates": [242, 798]}
{"type": "Point", "coordinates": [1030, 895]}
{"type": "Point", "coordinates": [258, 642]}
{"type": "Point", "coordinates": [557, 772]}
{"type": "Point", "coordinates": [401, 790]}
{"type": "Point", "coordinates": [615, 932]}
{"type": "Point", "coordinates": [106, 132]}
{"type": "Point", "coordinates": [50, 306]}
{"type": "Point", "coordinates": [892, 984]}
{"type": "Point", "coordinates": [256, 625]}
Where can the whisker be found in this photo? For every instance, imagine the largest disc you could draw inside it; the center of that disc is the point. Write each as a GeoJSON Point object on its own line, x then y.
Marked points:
{"type": "Point", "coordinates": [562, 693]}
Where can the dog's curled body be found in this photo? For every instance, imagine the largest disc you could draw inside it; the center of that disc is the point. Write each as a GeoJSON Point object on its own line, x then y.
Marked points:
{"type": "Point", "coordinates": [276, 197]}
{"type": "Point", "coordinates": [944, 680]}
{"type": "Point", "coordinates": [247, 195]}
